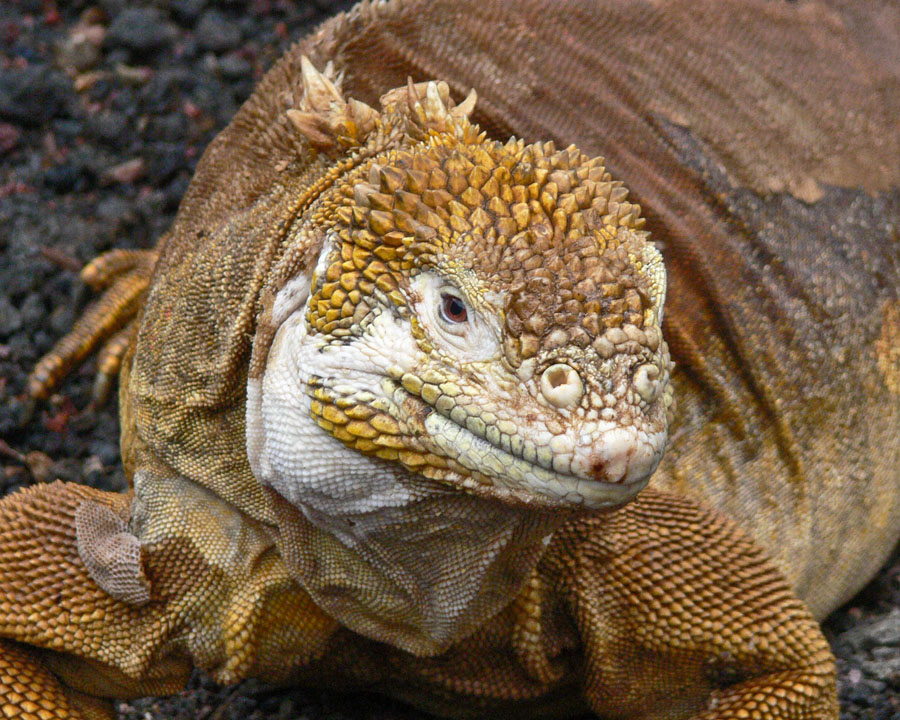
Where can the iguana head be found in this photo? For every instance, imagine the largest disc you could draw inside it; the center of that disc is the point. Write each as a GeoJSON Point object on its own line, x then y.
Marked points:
{"type": "Point", "coordinates": [481, 314]}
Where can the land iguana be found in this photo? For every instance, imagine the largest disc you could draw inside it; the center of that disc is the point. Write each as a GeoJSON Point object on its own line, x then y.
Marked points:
{"type": "Point", "coordinates": [393, 383]}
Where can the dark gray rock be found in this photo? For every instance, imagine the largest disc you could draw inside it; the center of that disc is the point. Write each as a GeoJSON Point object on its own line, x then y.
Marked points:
{"type": "Point", "coordinates": [32, 311]}
{"type": "Point", "coordinates": [886, 670]}
{"type": "Point", "coordinates": [217, 33]}
{"type": "Point", "coordinates": [113, 7]}
{"type": "Point", "coordinates": [106, 450]}
{"type": "Point", "coordinates": [63, 178]}
{"type": "Point", "coordinates": [165, 160]}
{"type": "Point", "coordinates": [61, 319]}
{"type": "Point", "coordinates": [10, 318]}
{"type": "Point", "coordinates": [234, 67]}
{"type": "Point", "coordinates": [140, 30]}
{"type": "Point", "coordinates": [884, 632]}
{"type": "Point", "coordinates": [167, 128]}
{"type": "Point", "coordinates": [67, 469]}
{"type": "Point", "coordinates": [115, 212]}
{"type": "Point", "coordinates": [166, 86]}
{"type": "Point", "coordinates": [33, 95]}
{"type": "Point", "coordinates": [9, 137]}
{"type": "Point", "coordinates": [108, 127]}
{"type": "Point", "coordinates": [188, 10]}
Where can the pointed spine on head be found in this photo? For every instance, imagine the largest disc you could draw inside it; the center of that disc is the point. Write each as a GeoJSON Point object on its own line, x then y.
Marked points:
{"type": "Point", "coordinates": [427, 108]}
{"type": "Point", "coordinates": [324, 118]}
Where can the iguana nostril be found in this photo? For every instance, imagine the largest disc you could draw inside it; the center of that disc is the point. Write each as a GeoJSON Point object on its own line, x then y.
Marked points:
{"type": "Point", "coordinates": [646, 381]}
{"type": "Point", "coordinates": [561, 386]}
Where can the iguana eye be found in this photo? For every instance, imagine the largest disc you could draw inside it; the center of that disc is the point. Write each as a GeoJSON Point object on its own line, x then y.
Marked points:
{"type": "Point", "coordinates": [453, 309]}
{"type": "Point", "coordinates": [452, 322]}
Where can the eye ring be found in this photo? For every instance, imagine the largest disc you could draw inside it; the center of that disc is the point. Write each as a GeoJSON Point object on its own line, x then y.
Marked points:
{"type": "Point", "coordinates": [453, 309]}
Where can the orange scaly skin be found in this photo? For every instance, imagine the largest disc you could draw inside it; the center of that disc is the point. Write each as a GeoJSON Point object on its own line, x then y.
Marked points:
{"type": "Point", "coordinates": [779, 492]}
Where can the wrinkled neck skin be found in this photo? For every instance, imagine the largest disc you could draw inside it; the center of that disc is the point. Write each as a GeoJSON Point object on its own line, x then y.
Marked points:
{"type": "Point", "coordinates": [391, 555]}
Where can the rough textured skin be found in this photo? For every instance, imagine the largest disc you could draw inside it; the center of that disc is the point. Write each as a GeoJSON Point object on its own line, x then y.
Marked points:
{"type": "Point", "coordinates": [764, 162]}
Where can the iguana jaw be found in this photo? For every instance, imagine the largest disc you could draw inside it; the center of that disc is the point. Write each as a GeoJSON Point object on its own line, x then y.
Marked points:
{"type": "Point", "coordinates": [518, 479]}
{"type": "Point", "coordinates": [496, 427]}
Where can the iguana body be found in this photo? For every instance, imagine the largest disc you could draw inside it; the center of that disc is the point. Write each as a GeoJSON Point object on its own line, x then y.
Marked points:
{"type": "Point", "coordinates": [783, 316]}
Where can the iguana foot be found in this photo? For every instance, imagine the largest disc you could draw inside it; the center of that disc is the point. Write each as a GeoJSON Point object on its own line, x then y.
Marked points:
{"type": "Point", "coordinates": [124, 276]}
{"type": "Point", "coordinates": [685, 617]}
{"type": "Point", "coordinates": [108, 595]}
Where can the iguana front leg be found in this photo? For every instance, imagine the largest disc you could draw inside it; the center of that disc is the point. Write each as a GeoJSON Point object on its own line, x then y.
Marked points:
{"type": "Point", "coordinates": [82, 638]}
{"type": "Point", "coordinates": [110, 615]}
{"type": "Point", "coordinates": [682, 616]}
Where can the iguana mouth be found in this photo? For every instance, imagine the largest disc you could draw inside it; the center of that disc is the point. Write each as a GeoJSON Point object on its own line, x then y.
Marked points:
{"type": "Point", "coordinates": [513, 472]}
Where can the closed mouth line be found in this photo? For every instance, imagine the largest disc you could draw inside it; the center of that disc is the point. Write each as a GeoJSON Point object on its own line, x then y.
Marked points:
{"type": "Point", "coordinates": [476, 453]}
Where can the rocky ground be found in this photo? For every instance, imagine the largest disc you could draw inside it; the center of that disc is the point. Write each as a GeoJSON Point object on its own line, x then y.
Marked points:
{"type": "Point", "coordinates": [105, 108]}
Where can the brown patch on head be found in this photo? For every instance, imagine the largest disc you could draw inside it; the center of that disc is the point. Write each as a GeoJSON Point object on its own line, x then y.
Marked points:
{"type": "Point", "coordinates": [577, 294]}
{"type": "Point", "coordinates": [887, 346]}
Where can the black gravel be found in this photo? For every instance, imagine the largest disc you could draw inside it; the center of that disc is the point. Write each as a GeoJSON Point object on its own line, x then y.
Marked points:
{"type": "Point", "coordinates": [104, 112]}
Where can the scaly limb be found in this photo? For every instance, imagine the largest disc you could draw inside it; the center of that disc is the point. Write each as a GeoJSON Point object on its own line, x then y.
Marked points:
{"type": "Point", "coordinates": [81, 637]}
{"type": "Point", "coordinates": [104, 595]}
{"type": "Point", "coordinates": [125, 275]}
{"type": "Point", "coordinates": [682, 616]}
{"type": "Point", "coordinates": [109, 362]}
{"type": "Point", "coordinates": [28, 690]}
